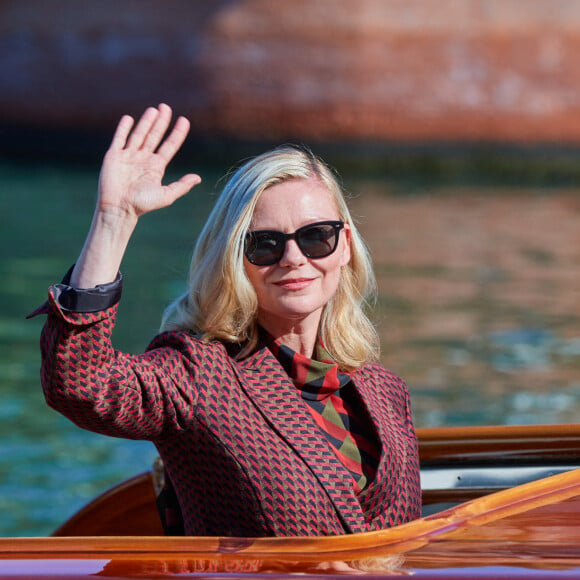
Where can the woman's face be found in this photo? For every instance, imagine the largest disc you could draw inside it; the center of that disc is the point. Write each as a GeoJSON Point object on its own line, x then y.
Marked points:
{"type": "Point", "coordinates": [295, 289]}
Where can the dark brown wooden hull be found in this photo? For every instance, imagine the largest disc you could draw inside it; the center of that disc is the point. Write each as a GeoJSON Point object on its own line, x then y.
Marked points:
{"type": "Point", "coordinates": [527, 530]}
{"type": "Point", "coordinates": [530, 528]}
{"type": "Point", "coordinates": [457, 465]}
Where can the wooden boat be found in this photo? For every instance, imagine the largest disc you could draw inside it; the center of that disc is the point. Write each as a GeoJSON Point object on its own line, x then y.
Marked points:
{"type": "Point", "coordinates": [501, 502]}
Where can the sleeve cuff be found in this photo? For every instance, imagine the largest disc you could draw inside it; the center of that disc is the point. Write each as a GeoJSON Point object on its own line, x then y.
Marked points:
{"type": "Point", "coordinates": [95, 299]}
{"type": "Point", "coordinates": [70, 299]}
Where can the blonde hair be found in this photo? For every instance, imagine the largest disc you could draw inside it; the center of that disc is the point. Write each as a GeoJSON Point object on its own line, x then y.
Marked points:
{"type": "Point", "coordinates": [220, 303]}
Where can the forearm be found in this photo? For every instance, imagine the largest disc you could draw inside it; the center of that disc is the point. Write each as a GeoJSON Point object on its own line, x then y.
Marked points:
{"type": "Point", "coordinates": [130, 185]}
{"type": "Point", "coordinates": [102, 254]}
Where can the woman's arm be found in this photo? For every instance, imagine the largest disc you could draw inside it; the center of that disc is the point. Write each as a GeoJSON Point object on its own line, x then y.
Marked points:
{"type": "Point", "coordinates": [82, 375]}
{"type": "Point", "coordinates": [110, 392]}
{"type": "Point", "coordinates": [130, 185]}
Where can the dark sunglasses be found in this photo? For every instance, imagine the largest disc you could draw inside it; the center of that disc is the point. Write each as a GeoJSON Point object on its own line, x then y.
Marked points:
{"type": "Point", "coordinates": [317, 240]}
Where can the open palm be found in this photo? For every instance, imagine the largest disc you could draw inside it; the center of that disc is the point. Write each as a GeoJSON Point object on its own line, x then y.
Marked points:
{"type": "Point", "coordinates": [134, 166]}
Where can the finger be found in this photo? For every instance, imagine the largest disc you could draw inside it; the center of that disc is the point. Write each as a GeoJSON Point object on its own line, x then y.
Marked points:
{"type": "Point", "coordinates": [122, 132]}
{"type": "Point", "coordinates": [174, 140]}
{"type": "Point", "coordinates": [179, 188]}
{"type": "Point", "coordinates": [142, 128]}
{"type": "Point", "coordinates": [158, 128]}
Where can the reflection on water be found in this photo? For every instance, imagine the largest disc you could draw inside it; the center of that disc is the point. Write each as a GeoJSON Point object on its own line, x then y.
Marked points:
{"type": "Point", "coordinates": [479, 311]}
{"type": "Point", "coordinates": [479, 307]}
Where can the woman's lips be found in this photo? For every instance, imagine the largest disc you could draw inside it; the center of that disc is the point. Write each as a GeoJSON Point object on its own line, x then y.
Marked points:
{"type": "Point", "coordinates": [294, 283]}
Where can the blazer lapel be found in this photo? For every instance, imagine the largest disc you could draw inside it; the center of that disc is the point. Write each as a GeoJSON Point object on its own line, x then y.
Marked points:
{"type": "Point", "coordinates": [274, 394]}
{"type": "Point", "coordinates": [386, 481]}
{"type": "Point", "coordinates": [370, 397]}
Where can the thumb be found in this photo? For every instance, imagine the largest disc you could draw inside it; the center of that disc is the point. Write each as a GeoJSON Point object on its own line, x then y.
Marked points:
{"type": "Point", "coordinates": [179, 188]}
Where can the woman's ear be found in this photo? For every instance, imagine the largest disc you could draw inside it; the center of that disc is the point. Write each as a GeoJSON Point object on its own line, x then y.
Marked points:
{"type": "Point", "coordinates": [345, 258]}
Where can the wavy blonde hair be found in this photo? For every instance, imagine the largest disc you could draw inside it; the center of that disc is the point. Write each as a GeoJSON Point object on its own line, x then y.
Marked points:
{"type": "Point", "coordinates": [220, 302]}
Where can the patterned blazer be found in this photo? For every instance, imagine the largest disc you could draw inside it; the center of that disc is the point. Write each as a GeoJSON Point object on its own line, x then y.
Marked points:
{"type": "Point", "coordinates": [239, 444]}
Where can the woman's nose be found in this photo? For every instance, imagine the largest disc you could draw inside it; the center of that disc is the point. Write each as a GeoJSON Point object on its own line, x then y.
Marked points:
{"type": "Point", "coordinates": [292, 255]}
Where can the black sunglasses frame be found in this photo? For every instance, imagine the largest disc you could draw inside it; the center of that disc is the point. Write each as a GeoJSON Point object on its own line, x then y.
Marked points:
{"type": "Point", "coordinates": [281, 238]}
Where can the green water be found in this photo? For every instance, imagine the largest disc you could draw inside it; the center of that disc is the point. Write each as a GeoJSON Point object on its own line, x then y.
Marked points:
{"type": "Point", "coordinates": [517, 365]}
{"type": "Point", "coordinates": [48, 467]}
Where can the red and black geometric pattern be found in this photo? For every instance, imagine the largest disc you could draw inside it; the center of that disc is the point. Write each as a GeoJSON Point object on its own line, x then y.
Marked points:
{"type": "Point", "coordinates": [335, 407]}
{"type": "Point", "coordinates": [237, 440]}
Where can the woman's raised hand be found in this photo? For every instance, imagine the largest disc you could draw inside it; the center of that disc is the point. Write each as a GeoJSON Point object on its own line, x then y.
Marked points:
{"type": "Point", "coordinates": [133, 168]}
{"type": "Point", "coordinates": [130, 185]}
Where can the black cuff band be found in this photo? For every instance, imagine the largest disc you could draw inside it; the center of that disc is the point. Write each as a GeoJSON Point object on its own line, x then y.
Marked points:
{"type": "Point", "coordinates": [94, 299]}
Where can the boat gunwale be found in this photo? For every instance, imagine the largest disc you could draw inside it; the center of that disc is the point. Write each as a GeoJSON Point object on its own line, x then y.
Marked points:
{"type": "Point", "coordinates": [449, 524]}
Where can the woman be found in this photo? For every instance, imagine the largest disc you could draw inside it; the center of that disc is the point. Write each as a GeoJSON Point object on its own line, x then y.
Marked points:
{"type": "Point", "coordinates": [261, 393]}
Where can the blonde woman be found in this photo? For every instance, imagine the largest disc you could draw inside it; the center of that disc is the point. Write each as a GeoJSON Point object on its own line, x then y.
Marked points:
{"type": "Point", "coordinates": [262, 392]}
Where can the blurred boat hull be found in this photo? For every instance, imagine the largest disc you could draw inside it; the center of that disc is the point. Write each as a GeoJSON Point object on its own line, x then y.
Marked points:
{"type": "Point", "coordinates": [371, 70]}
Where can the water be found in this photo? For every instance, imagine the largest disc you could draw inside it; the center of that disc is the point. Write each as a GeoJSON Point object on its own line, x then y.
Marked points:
{"type": "Point", "coordinates": [479, 310]}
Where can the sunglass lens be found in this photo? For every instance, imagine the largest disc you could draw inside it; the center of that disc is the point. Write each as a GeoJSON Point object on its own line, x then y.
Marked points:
{"type": "Point", "coordinates": [263, 248]}
{"type": "Point", "coordinates": [317, 241]}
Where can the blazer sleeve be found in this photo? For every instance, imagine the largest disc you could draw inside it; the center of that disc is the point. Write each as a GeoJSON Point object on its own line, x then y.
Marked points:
{"type": "Point", "coordinates": [106, 391]}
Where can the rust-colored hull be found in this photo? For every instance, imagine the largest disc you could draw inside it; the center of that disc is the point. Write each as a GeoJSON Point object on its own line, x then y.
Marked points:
{"type": "Point", "coordinates": [364, 70]}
